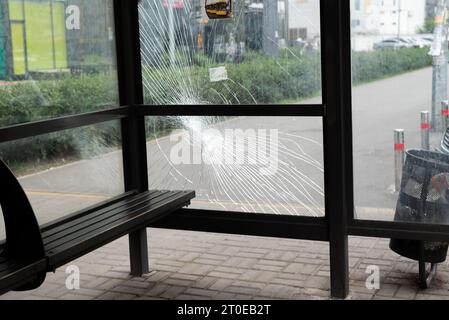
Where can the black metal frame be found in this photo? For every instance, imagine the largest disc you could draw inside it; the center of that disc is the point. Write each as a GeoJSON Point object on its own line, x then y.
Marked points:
{"type": "Point", "coordinates": [335, 111]}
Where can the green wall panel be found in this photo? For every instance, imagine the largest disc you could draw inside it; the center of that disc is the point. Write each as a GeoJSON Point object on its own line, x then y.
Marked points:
{"type": "Point", "coordinates": [40, 37]}
{"type": "Point", "coordinates": [60, 35]}
{"type": "Point", "coordinates": [15, 10]}
{"type": "Point", "coordinates": [18, 48]}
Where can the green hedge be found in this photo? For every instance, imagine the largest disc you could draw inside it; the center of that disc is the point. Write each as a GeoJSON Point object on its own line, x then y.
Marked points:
{"type": "Point", "coordinates": [369, 66]}
{"type": "Point", "coordinates": [35, 100]}
{"type": "Point", "coordinates": [293, 76]}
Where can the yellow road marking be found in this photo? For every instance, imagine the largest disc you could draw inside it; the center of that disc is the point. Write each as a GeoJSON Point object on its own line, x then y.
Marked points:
{"type": "Point", "coordinates": [66, 194]}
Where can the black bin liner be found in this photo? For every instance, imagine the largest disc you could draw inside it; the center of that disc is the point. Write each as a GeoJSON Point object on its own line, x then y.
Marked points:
{"type": "Point", "coordinates": [423, 198]}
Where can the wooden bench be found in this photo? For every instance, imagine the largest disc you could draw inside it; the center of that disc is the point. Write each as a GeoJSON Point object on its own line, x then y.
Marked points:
{"type": "Point", "coordinates": [30, 251]}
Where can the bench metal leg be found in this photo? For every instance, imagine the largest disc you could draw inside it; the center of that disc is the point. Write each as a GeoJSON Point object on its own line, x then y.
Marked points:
{"type": "Point", "coordinates": [138, 252]}
{"type": "Point", "coordinates": [426, 277]}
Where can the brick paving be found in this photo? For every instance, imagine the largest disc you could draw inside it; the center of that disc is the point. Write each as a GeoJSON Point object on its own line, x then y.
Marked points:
{"type": "Point", "coordinates": [194, 265]}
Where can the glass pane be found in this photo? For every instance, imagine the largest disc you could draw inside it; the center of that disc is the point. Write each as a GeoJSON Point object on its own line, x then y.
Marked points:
{"type": "Point", "coordinates": [395, 44]}
{"type": "Point", "coordinates": [56, 58]}
{"type": "Point", "coordinates": [67, 171]}
{"type": "Point", "coordinates": [245, 164]}
{"type": "Point", "coordinates": [267, 53]}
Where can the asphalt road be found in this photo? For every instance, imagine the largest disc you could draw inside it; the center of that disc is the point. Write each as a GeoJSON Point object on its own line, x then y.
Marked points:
{"type": "Point", "coordinates": [296, 188]}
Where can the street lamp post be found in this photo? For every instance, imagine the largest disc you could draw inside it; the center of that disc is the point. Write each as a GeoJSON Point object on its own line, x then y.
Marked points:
{"type": "Point", "coordinates": [171, 31]}
{"type": "Point", "coordinates": [439, 54]}
{"type": "Point", "coordinates": [286, 18]}
{"type": "Point", "coordinates": [270, 36]}
{"type": "Point", "coordinates": [399, 17]}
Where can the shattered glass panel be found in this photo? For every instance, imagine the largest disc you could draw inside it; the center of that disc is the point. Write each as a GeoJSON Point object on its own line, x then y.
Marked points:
{"type": "Point", "coordinates": [67, 171]}
{"type": "Point", "coordinates": [268, 52]}
{"type": "Point", "coordinates": [245, 164]}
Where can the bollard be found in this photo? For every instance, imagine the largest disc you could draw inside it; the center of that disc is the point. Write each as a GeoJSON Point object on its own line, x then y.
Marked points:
{"type": "Point", "coordinates": [399, 157]}
{"type": "Point", "coordinates": [425, 128]}
{"type": "Point", "coordinates": [444, 115]}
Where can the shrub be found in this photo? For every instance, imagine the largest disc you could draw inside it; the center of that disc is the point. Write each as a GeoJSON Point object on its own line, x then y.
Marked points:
{"type": "Point", "coordinates": [369, 66]}
{"type": "Point", "coordinates": [257, 78]}
{"type": "Point", "coordinates": [261, 79]}
{"type": "Point", "coordinates": [32, 100]}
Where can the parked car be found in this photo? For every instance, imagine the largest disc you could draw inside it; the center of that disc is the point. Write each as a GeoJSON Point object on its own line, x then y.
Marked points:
{"type": "Point", "coordinates": [414, 42]}
{"type": "Point", "coordinates": [393, 44]}
{"type": "Point", "coordinates": [427, 41]}
{"type": "Point", "coordinates": [309, 45]}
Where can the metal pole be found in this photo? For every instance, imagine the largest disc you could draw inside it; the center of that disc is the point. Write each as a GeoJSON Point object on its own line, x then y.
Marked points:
{"type": "Point", "coordinates": [425, 126]}
{"type": "Point", "coordinates": [399, 18]}
{"type": "Point", "coordinates": [337, 127]}
{"type": "Point", "coordinates": [399, 157]}
{"type": "Point", "coordinates": [171, 32]}
{"type": "Point", "coordinates": [270, 36]}
{"type": "Point", "coordinates": [287, 24]}
{"type": "Point", "coordinates": [129, 73]}
{"type": "Point", "coordinates": [439, 64]}
{"type": "Point", "coordinates": [444, 70]}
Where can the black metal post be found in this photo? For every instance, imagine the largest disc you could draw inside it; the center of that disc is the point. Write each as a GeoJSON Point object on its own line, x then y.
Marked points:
{"type": "Point", "coordinates": [336, 62]}
{"type": "Point", "coordinates": [133, 128]}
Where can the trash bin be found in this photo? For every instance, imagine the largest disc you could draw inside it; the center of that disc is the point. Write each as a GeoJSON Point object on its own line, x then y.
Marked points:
{"type": "Point", "coordinates": [423, 198]}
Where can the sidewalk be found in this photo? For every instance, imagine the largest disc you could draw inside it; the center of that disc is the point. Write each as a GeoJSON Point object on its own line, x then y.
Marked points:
{"type": "Point", "coordinates": [193, 265]}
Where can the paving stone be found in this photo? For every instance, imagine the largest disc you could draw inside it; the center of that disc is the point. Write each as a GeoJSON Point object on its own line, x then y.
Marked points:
{"type": "Point", "coordinates": [178, 282]}
{"type": "Point", "coordinates": [224, 296]}
{"type": "Point", "coordinates": [195, 269]}
{"type": "Point", "coordinates": [317, 282]}
{"type": "Point", "coordinates": [406, 292]}
{"type": "Point", "coordinates": [116, 296]}
{"type": "Point", "coordinates": [172, 292]}
{"type": "Point", "coordinates": [130, 290]}
{"type": "Point", "coordinates": [278, 291]}
{"type": "Point", "coordinates": [184, 296]}
{"type": "Point", "coordinates": [387, 290]}
{"type": "Point", "coordinates": [226, 275]}
{"type": "Point", "coordinates": [242, 290]}
{"type": "Point", "coordinates": [268, 268]}
{"type": "Point", "coordinates": [300, 268]}
{"type": "Point", "coordinates": [423, 296]}
{"type": "Point", "coordinates": [72, 296]}
{"type": "Point", "coordinates": [200, 292]}
{"type": "Point", "coordinates": [288, 282]}
{"type": "Point", "coordinates": [205, 282]}
{"type": "Point", "coordinates": [193, 265]}
{"type": "Point", "coordinates": [221, 284]}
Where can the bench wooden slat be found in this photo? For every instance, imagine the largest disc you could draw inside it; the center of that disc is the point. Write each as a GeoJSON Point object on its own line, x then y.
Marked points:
{"type": "Point", "coordinates": [96, 217]}
{"type": "Point", "coordinates": [94, 235]}
{"type": "Point", "coordinates": [20, 273]}
{"type": "Point", "coordinates": [66, 241]}
{"type": "Point", "coordinates": [127, 201]}
{"type": "Point", "coordinates": [119, 216]}
{"type": "Point", "coordinates": [93, 225]}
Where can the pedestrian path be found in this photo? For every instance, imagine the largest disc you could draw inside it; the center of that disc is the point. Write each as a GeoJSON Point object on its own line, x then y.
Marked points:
{"type": "Point", "coordinates": [194, 265]}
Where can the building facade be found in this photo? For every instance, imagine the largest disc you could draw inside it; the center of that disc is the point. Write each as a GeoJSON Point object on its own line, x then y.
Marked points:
{"type": "Point", "coordinates": [388, 17]}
